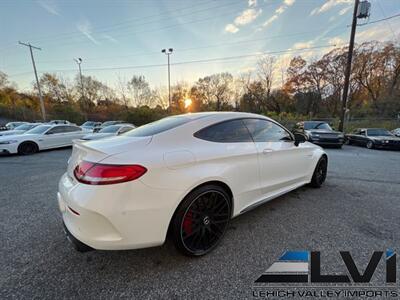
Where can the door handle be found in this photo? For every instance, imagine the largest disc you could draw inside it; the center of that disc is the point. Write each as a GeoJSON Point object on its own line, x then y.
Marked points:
{"type": "Point", "coordinates": [266, 151]}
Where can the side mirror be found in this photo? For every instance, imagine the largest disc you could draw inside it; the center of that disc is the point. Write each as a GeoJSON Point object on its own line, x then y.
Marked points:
{"type": "Point", "coordinates": [299, 138]}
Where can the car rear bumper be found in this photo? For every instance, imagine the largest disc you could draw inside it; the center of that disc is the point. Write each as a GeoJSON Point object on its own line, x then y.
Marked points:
{"type": "Point", "coordinates": [116, 217]}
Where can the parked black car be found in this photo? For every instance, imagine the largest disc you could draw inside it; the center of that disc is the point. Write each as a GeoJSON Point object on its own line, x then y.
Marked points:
{"type": "Point", "coordinates": [373, 138]}
{"type": "Point", "coordinates": [320, 133]}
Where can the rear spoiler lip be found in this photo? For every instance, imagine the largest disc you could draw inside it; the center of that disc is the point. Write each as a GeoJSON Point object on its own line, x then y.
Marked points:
{"type": "Point", "coordinates": [82, 144]}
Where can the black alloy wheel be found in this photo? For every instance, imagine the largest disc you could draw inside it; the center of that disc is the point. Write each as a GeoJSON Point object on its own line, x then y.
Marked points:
{"type": "Point", "coordinates": [370, 145]}
{"type": "Point", "coordinates": [320, 172]}
{"type": "Point", "coordinates": [27, 148]}
{"type": "Point", "coordinates": [201, 220]}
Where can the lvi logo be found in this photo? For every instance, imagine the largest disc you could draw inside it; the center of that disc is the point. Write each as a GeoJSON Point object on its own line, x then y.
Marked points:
{"type": "Point", "coordinates": [305, 267]}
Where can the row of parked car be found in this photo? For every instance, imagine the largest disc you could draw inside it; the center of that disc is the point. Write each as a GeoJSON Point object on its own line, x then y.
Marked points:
{"type": "Point", "coordinates": [321, 133]}
{"type": "Point", "coordinates": [28, 138]}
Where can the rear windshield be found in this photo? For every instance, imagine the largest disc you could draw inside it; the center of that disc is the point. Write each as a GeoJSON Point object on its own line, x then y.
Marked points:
{"type": "Point", "coordinates": [316, 125]}
{"type": "Point", "coordinates": [378, 132]}
{"type": "Point", "coordinates": [158, 126]}
{"type": "Point", "coordinates": [110, 129]}
{"type": "Point", "coordinates": [24, 127]}
{"type": "Point", "coordinates": [38, 129]}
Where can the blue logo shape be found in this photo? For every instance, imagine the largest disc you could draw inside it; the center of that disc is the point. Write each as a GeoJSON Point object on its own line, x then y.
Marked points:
{"type": "Point", "coordinates": [295, 256]}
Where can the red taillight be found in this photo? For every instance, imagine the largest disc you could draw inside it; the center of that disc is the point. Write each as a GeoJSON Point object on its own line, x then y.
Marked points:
{"type": "Point", "coordinates": [100, 174]}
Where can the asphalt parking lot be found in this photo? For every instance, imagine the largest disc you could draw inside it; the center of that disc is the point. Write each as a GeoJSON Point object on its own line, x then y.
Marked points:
{"type": "Point", "coordinates": [357, 210]}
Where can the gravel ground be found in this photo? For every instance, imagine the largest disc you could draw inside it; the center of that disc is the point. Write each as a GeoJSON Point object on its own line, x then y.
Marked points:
{"type": "Point", "coordinates": [357, 210]}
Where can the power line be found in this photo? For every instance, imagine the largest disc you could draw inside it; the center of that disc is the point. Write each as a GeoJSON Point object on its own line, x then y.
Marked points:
{"type": "Point", "coordinates": [70, 34]}
{"type": "Point", "coordinates": [227, 44]}
{"type": "Point", "coordinates": [380, 20]}
{"type": "Point", "coordinates": [121, 27]}
{"type": "Point", "coordinates": [191, 61]}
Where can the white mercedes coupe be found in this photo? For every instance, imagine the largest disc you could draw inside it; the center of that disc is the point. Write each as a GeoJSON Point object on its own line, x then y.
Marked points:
{"type": "Point", "coordinates": [187, 175]}
{"type": "Point", "coordinates": [46, 136]}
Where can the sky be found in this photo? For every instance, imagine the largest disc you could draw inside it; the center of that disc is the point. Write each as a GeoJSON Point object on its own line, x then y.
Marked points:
{"type": "Point", "coordinates": [117, 39]}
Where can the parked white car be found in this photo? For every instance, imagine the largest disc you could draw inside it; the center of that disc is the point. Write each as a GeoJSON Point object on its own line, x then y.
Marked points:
{"type": "Point", "coordinates": [188, 173]}
{"type": "Point", "coordinates": [396, 132]}
{"type": "Point", "coordinates": [20, 129]}
{"type": "Point", "coordinates": [109, 131]}
{"type": "Point", "coordinates": [42, 137]}
{"type": "Point", "coordinates": [13, 125]}
{"type": "Point", "coordinates": [90, 125]}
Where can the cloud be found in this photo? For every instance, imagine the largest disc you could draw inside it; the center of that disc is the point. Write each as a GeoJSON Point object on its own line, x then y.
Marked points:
{"type": "Point", "coordinates": [289, 2]}
{"type": "Point", "coordinates": [344, 10]}
{"type": "Point", "coordinates": [335, 41]}
{"type": "Point", "coordinates": [247, 16]}
{"type": "Point", "coordinates": [252, 3]}
{"type": "Point", "coordinates": [49, 6]}
{"type": "Point", "coordinates": [329, 5]}
{"type": "Point", "coordinates": [231, 28]}
{"type": "Point", "coordinates": [110, 38]}
{"type": "Point", "coordinates": [270, 20]}
{"type": "Point", "coordinates": [86, 29]}
{"type": "Point", "coordinates": [280, 10]}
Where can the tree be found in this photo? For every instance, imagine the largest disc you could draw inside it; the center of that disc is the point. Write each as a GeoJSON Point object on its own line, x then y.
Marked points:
{"type": "Point", "coordinates": [3, 80]}
{"type": "Point", "coordinates": [55, 89]}
{"type": "Point", "coordinates": [139, 90]}
{"type": "Point", "coordinates": [216, 88]}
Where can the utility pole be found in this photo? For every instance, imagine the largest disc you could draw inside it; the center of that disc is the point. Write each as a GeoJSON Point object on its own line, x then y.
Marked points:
{"type": "Point", "coordinates": [168, 52]}
{"type": "Point", "coordinates": [79, 61]}
{"type": "Point", "coordinates": [42, 108]}
{"type": "Point", "coordinates": [360, 11]}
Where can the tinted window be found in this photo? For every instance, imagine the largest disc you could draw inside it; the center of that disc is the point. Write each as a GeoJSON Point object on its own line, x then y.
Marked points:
{"type": "Point", "coordinates": [125, 129]}
{"type": "Point", "coordinates": [266, 131]}
{"type": "Point", "coordinates": [58, 129]}
{"type": "Point", "coordinates": [110, 129]}
{"type": "Point", "coordinates": [158, 126]}
{"type": "Point", "coordinates": [378, 132]}
{"type": "Point", "coordinates": [73, 129]}
{"type": "Point", "coordinates": [226, 132]}
{"type": "Point", "coordinates": [39, 129]}
{"type": "Point", "coordinates": [25, 127]}
{"type": "Point", "coordinates": [316, 125]}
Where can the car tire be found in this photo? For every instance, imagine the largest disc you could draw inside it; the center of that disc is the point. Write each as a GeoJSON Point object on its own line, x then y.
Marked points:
{"type": "Point", "coordinates": [370, 145]}
{"type": "Point", "coordinates": [27, 148]}
{"type": "Point", "coordinates": [320, 172]}
{"type": "Point", "coordinates": [201, 220]}
{"type": "Point", "coordinates": [347, 142]}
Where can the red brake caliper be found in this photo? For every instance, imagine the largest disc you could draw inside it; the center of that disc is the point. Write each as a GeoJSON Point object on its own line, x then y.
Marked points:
{"type": "Point", "coordinates": [187, 222]}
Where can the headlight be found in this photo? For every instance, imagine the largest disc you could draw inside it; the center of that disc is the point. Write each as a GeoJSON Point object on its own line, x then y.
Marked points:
{"type": "Point", "coordinates": [8, 142]}
{"type": "Point", "coordinates": [314, 134]}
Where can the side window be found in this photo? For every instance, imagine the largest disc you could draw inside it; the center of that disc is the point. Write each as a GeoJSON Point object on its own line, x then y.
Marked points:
{"type": "Point", "coordinates": [58, 129]}
{"type": "Point", "coordinates": [363, 132]}
{"type": "Point", "coordinates": [73, 129]}
{"type": "Point", "coordinates": [124, 129]}
{"type": "Point", "coordinates": [266, 131]}
{"type": "Point", "coordinates": [232, 131]}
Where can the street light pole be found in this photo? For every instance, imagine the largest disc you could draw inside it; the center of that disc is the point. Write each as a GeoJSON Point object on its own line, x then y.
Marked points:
{"type": "Point", "coordinates": [168, 52]}
{"type": "Point", "coordinates": [79, 61]}
{"type": "Point", "coordinates": [42, 108]}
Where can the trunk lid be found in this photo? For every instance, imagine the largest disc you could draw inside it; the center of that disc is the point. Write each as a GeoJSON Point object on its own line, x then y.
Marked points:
{"type": "Point", "coordinates": [98, 150]}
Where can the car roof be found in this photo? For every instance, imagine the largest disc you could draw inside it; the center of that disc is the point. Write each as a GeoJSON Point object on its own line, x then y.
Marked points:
{"type": "Point", "coordinates": [232, 114]}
